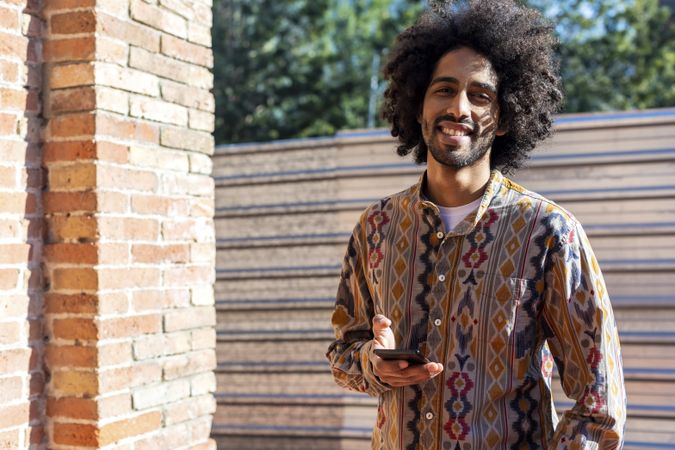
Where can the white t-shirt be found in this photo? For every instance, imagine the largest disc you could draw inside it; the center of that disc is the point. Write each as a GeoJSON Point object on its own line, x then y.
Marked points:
{"type": "Point", "coordinates": [452, 216]}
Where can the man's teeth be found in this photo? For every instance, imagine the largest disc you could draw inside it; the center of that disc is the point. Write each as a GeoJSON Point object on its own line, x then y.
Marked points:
{"type": "Point", "coordinates": [453, 132]}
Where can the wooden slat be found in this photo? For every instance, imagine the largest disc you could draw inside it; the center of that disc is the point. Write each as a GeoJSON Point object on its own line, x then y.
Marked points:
{"type": "Point", "coordinates": [285, 210]}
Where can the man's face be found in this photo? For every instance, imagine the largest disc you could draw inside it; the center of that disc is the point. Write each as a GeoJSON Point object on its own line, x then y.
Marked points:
{"type": "Point", "coordinates": [460, 113]}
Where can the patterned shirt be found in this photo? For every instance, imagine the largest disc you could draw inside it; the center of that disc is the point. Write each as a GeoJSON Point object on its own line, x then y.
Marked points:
{"type": "Point", "coordinates": [511, 291]}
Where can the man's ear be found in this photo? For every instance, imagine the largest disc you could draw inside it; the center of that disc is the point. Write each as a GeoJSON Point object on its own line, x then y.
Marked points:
{"type": "Point", "coordinates": [502, 129]}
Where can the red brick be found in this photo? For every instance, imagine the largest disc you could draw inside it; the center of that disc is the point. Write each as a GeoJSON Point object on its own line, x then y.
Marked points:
{"type": "Point", "coordinates": [8, 177]}
{"type": "Point", "coordinates": [76, 176]}
{"type": "Point", "coordinates": [73, 408]}
{"type": "Point", "coordinates": [158, 18]}
{"type": "Point", "coordinates": [77, 304]}
{"type": "Point", "coordinates": [182, 138]}
{"type": "Point", "coordinates": [10, 333]}
{"type": "Point", "coordinates": [9, 71]}
{"type": "Point", "coordinates": [71, 355]}
{"type": "Point", "coordinates": [59, 202]}
{"type": "Point", "coordinates": [170, 68]}
{"type": "Point", "coordinates": [75, 22]}
{"type": "Point", "coordinates": [128, 178]}
{"type": "Point", "coordinates": [70, 75]}
{"type": "Point", "coordinates": [115, 406]}
{"type": "Point", "coordinates": [75, 434]}
{"type": "Point", "coordinates": [181, 7]}
{"type": "Point", "coordinates": [80, 279]}
{"type": "Point", "coordinates": [70, 151]}
{"type": "Point", "coordinates": [189, 364]}
{"type": "Point", "coordinates": [182, 276]}
{"type": "Point", "coordinates": [131, 376]}
{"type": "Point", "coordinates": [189, 96]}
{"type": "Point", "coordinates": [159, 254]}
{"type": "Point", "coordinates": [130, 32]}
{"type": "Point", "coordinates": [108, 151]}
{"type": "Point", "coordinates": [75, 49]}
{"type": "Point", "coordinates": [35, 331]}
{"type": "Point", "coordinates": [132, 229]}
{"type": "Point", "coordinates": [10, 389]}
{"type": "Point", "coordinates": [8, 124]}
{"type": "Point", "coordinates": [115, 354]}
{"type": "Point", "coordinates": [57, 5]}
{"type": "Point", "coordinates": [185, 51]}
{"type": "Point", "coordinates": [72, 100]}
{"type": "Point", "coordinates": [86, 329]}
{"type": "Point", "coordinates": [83, 383]}
{"type": "Point", "coordinates": [133, 426]}
{"type": "Point", "coordinates": [36, 435]}
{"type": "Point", "coordinates": [13, 98]}
{"type": "Point", "coordinates": [71, 253]}
{"type": "Point", "coordinates": [9, 278]}
{"type": "Point", "coordinates": [73, 125]}
{"type": "Point", "coordinates": [10, 439]}
{"type": "Point", "coordinates": [13, 46]}
{"type": "Point", "coordinates": [131, 326]}
{"type": "Point", "coordinates": [13, 306]}
{"type": "Point", "coordinates": [15, 254]}
{"type": "Point", "coordinates": [127, 129]}
{"type": "Point", "coordinates": [9, 19]}
{"type": "Point", "coordinates": [146, 300]}
{"type": "Point", "coordinates": [14, 415]}
{"type": "Point", "coordinates": [74, 228]}
{"type": "Point", "coordinates": [188, 318]}
{"type": "Point", "coordinates": [32, 177]}
{"type": "Point", "coordinates": [37, 383]}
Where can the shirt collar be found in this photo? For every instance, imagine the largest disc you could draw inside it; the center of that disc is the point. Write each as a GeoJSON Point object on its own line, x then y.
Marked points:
{"type": "Point", "coordinates": [422, 204]}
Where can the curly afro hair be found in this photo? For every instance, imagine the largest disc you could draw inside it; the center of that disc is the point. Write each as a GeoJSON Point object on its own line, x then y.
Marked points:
{"type": "Point", "coordinates": [518, 41]}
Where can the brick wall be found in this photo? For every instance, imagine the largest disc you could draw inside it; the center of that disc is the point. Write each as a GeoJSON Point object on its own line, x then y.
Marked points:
{"type": "Point", "coordinates": [126, 307]}
{"type": "Point", "coordinates": [21, 374]}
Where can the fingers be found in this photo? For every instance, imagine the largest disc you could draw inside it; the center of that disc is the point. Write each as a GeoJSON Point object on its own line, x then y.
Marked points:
{"type": "Point", "coordinates": [398, 373]}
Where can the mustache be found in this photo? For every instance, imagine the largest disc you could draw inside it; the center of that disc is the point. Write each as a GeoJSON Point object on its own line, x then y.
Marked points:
{"type": "Point", "coordinates": [447, 118]}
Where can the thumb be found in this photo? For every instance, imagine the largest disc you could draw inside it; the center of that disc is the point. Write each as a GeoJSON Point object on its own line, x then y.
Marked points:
{"type": "Point", "coordinates": [384, 337]}
{"type": "Point", "coordinates": [380, 323]}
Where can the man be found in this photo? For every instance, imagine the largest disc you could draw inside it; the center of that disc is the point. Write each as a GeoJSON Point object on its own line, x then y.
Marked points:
{"type": "Point", "coordinates": [491, 282]}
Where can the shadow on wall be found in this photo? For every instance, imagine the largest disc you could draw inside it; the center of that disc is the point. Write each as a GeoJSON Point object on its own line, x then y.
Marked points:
{"type": "Point", "coordinates": [28, 300]}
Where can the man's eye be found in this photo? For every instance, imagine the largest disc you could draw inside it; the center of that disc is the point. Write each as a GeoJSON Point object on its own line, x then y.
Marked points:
{"type": "Point", "coordinates": [482, 97]}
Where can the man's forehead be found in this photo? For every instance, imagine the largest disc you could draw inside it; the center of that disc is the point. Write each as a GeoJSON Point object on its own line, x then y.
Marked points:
{"type": "Point", "coordinates": [465, 61]}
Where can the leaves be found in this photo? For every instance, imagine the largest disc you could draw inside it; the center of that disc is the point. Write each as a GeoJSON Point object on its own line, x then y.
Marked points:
{"type": "Point", "coordinates": [296, 68]}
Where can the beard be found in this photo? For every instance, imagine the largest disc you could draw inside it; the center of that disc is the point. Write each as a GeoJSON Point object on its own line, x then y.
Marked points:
{"type": "Point", "coordinates": [458, 157]}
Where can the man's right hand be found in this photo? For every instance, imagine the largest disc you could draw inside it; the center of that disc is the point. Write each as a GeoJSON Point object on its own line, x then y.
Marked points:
{"type": "Point", "coordinates": [397, 373]}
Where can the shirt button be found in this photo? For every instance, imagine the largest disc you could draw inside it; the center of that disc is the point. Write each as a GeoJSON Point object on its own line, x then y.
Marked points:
{"type": "Point", "coordinates": [429, 416]}
{"type": "Point", "coordinates": [440, 235]}
{"type": "Point", "coordinates": [438, 322]}
{"type": "Point", "coordinates": [441, 278]}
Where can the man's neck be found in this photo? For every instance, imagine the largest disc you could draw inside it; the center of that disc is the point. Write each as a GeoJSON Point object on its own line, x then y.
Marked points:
{"type": "Point", "coordinates": [450, 187]}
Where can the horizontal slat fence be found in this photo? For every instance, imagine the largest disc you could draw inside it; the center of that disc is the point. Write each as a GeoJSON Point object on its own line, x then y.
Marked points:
{"type": "Point", "coordinates": [285, 210]}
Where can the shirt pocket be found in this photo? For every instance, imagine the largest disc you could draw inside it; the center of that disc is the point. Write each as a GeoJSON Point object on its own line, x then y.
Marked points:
{"type": "Point", "coordinates": [499, 309]}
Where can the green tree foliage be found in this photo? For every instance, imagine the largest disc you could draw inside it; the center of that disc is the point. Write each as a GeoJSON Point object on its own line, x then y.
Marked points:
{"type": "Point", "coordinates": [615, 54]}
{"type": "Point", "coordinates": [297, 68]}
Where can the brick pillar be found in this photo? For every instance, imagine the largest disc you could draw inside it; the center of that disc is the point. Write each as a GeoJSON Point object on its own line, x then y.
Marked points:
{"type": "Point", "coordinates": [21, 296]}
{"type": "Point", "coordinates": [130, 254]}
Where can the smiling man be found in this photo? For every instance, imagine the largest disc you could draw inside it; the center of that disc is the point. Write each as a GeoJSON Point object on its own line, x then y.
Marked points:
{"type": "Point", "coordinates": [494, 284]}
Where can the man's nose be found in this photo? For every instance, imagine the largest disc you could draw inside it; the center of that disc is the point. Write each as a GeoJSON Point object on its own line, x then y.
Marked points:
{"type": "Point", "coordinates": [459, 107]}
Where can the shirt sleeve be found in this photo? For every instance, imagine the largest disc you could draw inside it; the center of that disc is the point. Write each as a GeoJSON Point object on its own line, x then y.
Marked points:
{"type": "Point", "coordinates": [349, 354]}
{"type": "Point", "coordinates": [583, 338]}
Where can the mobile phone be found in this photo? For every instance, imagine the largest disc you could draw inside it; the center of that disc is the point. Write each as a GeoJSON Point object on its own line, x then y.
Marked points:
{"type": "Point", "coordinates": [412, 356]}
